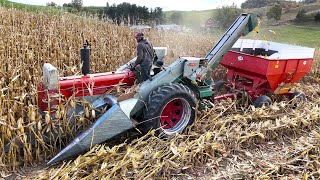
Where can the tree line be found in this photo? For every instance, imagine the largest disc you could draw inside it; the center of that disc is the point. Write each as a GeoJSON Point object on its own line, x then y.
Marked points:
{"type": "Point", "coordinates": [248, 4]}
{"type": "Point", "coordinates": [126, 13]}
{"type": "Point", "coordinates": [132, 14]}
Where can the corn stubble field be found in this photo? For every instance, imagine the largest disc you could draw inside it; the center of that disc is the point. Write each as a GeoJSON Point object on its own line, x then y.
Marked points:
{"type": "Point", "coordinates": [230, 140]}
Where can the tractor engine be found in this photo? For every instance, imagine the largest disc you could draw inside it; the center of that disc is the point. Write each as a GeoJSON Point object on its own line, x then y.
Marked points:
{"type": "Point", "coordinates": [88, 86]}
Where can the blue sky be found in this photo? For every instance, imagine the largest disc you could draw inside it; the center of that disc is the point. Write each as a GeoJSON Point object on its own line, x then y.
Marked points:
{"type": "Point", "coordinates": [183, 5]}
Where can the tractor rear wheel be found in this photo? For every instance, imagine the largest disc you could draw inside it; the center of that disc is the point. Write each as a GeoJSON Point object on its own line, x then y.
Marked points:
{"type": "Point", "coordinates": [262, 101]}
{"type": "Point", "coordinates": [170, 109]}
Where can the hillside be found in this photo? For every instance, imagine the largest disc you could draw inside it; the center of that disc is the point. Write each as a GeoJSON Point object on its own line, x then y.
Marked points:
{"type": "Point", "coordinates": [199, 17]}
{"type": "Point", "coordinates": [286, 17]}
{"type": "Point", "coordinates": [26, 7]}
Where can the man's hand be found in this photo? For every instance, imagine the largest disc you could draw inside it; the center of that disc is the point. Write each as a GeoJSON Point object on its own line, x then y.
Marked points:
{"type": "Point", "coordinates": [132, 68]}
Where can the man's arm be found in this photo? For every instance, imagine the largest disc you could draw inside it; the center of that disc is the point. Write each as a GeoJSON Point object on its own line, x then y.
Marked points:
{"type": "Point", "coordinates": [153, 54]}
{"type": "Point", "coordinates": [139, 55]}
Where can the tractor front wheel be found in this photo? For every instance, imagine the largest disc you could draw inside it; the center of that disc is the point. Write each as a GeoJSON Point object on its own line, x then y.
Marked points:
{"type": "Point", "coordinates": [170, 109]}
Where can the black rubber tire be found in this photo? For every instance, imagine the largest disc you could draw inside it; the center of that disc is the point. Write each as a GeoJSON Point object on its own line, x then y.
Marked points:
{"type": "Point", "coordinates": [299, 97]}
{"type": "Point", "coordinates": [157, 101]}
{"type": "Point", "coordinates": [262, 101]}
{"type": "Point", "coordinates": [218, 86]}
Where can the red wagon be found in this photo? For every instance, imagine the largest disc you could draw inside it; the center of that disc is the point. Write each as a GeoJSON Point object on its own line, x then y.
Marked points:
{"type": "Point", "coordinates": [264, 67]}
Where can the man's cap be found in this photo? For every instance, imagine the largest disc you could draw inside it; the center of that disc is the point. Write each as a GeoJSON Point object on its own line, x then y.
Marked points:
{"type": "Point", "coordinates": [140, 34]}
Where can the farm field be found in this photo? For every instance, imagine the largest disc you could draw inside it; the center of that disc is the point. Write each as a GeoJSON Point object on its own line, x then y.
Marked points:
{"type": "Point", "coordinates": [231, 140]}
{"type": "Point", "coordinates": [301, 35]}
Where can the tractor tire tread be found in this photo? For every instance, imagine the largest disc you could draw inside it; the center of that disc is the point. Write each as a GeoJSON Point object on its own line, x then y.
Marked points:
{"type": "Point", "coordinates": [157, 98]}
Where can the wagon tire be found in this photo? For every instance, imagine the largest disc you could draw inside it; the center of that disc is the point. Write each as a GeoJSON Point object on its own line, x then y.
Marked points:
{"type": "Point", "coordinates": [170, 109]}
{"type": "Point", "coordinates": [262, 101]}
{"type": "Point", "coordinates": [297, 99]}
{"type": "Point", "coordinates": [218, 86]}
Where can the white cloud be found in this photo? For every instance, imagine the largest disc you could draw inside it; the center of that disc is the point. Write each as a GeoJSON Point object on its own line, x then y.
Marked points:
{"type": "Point", "coordinates": [186, 5]}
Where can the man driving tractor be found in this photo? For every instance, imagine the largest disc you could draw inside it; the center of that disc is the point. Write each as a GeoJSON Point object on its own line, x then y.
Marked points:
{"type": "Point", "coordinates": [145, 56]}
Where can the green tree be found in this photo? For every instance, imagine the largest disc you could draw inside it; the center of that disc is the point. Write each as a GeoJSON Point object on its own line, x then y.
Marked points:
{"type": "Point", "coordinates": [53, 4]}
{"type": "Point", "coordinates": [66, 5]}
{"type": "Point", "coordinates": [77, 4]}
{"type": "Point", "coordinates": [131, 14]}
{"type": "Point", "coordinates": [275, 12]}
{"type": "Point", "coordinates": [158, 15]}
{"type": "Point", "coordinates": [317, 17]}
{"type": "Point", "coordinates": [254, 4]}
{"type": "Point", "coordinates": [145, 14]}
{"type": "Point", "coordinates": [262, 3]}
{"type": "Point", "coordinates": [176, 17]}
{"type": "Point", "coordinates": [226, 15]}
{"type": "Point", "coordinates": [123, 10]}
{"type": "Point", "coordinates": [301, 15]}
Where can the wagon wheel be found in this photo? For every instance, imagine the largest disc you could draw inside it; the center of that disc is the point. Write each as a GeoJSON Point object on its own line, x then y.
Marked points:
{"type": "Point", "coordinates": [219, 86]}
{"type": "Point", "coordinates": [170, 109]}
{"type": "Point", "coordinates": [262, 101]}
{"type": "Point", "coordinates": [297, 99]}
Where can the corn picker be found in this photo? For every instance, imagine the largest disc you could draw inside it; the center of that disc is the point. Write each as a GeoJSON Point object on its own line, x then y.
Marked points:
{"type": "Point", "coordinates": [168, 102]}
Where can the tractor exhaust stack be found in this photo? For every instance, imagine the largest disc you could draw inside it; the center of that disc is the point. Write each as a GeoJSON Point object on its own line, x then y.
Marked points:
{"type": "Point", "coordinates": [85, 58]}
